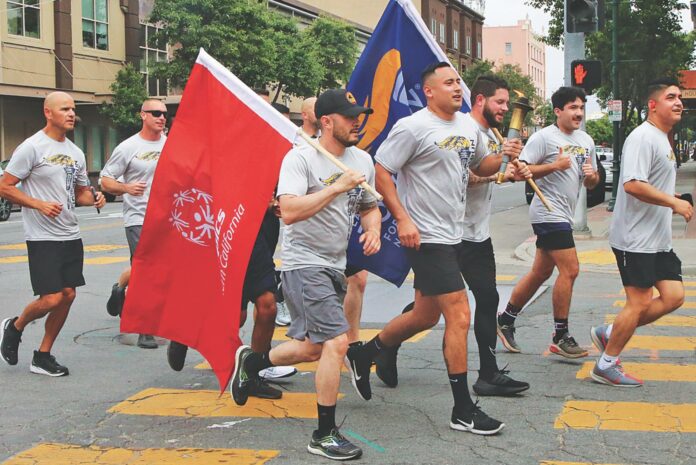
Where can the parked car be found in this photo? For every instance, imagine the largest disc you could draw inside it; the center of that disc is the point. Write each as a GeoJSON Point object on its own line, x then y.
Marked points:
{"type": "Point", "coordinates": [5, 205]}
{"type": "Point", "coordinates": [595, 196]}
{"type": "Point", "coordinates": [606, 158]}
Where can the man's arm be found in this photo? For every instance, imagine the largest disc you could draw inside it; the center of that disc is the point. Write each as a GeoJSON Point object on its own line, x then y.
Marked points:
{"type": "Point", "coordinates": [562, 162]}
{"type": "Point", "coordinates": [84, 197]}
{"type": "Point", "coordinates": [8, 190]}
{"type": "Point", "coordinates": [406, 228]}
{"type": "Point", "coordinates": [649, 194]}
{"type": "Point", "coordinates": [371, 222]}
{"type": "Point", "coordinates": [591, 176]}
{"type": "Point", "coordinates": [295, 208]}
{"type": "Point", "coordinates": [112, 186]}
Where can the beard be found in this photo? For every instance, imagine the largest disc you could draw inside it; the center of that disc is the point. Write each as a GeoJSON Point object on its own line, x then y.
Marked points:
{"type": "Point", "coordinates": [489, 116]}
{"type": "Point", "coordinates": [345, 140]}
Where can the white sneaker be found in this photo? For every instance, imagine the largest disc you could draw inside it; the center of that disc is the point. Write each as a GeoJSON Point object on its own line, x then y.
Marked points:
{"type": "Point", "coordinates": [277, 372]}
{"type": "Point", "coordinates": [282, 314]}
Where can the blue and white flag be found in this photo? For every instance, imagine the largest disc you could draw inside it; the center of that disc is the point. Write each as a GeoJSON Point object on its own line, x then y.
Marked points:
{"type": "Point", "coordinates": [387, 79]}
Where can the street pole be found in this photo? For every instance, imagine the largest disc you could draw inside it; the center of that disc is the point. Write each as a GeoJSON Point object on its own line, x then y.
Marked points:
{"type": "Point", "coordinates": [616, 164]}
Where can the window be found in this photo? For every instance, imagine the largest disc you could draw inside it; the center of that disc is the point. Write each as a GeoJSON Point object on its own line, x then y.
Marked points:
{"type": "Point", "coordinates": [455, 39]}
{"type": "Point", "coordinates": [95, 24]}
{"type": "Point", "coordinates": [433, 26]}
{"type": "Point", "coordinates": [508, 48]}
{"type": "Point", "coordinates": [479, 50]}
{"type": "Point", "coordinates": [23, 18]}
{"type": "Point", "coordinates": [442, 33]}
{"type": "Point", "coordinates": [468, 45]}
{"type": "Point", "coordinates": [97, 138]}
{"type": "Point", "coordinates": [152, 51]}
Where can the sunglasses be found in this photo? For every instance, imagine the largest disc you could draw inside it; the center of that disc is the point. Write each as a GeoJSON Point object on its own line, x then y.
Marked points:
{"type": "Point", "coordinates": [156, 113]}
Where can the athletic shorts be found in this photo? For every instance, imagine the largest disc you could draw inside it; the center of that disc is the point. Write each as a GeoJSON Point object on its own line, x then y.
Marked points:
{"type": "Point", "coordinates": [437, 268]}
{"type": "Point", "coordinates": [554, 236]}
{"type": "Point", "coordinates": [133, 237]}
{"type": "Point", "coordinates": [314, 296]}
{"type": "Point", "coordinates": [260, 275]}
{"type": "Point", "coordinates": [351, 270]}
{"type": "Point", "coordinates": [479, 261]}
{"type": "Point", "coordinates": [55, 265]}
{"type": "Point", "coordinates": [643, 270]}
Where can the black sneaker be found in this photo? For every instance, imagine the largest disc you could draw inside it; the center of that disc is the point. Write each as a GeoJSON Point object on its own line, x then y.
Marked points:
{"type": "Point", "coordinates": [386, 370]}
{"type": "Point", "coordinates": [259, 388]}
{"type": "Point", "coordinates": [333, 446]}
{"type": "Point", "coordinates": [145, 341]}
{"type": "Point", "coordinates": [46, 364]}
{"type": "Point", "coordinates": [176, 355]}
{"type": "Point", "coordinates": [500, 384]}
{"type": "Point", "coordinates": [475, 421]}
{"type": "Point", "coordinates": [240, 378]}
{"type": "Point", "coordinates": [10, 337]}
{"type": "Point", "coordinates": [359, 368]}
{"type": "Point", "coordinates": [506, 333]}
{"type": "Point", "coordinates": [114, 305]}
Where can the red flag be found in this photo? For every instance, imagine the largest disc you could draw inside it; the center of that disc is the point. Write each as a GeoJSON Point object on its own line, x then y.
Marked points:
{"type": "Point", "coordinates": [211, 188]}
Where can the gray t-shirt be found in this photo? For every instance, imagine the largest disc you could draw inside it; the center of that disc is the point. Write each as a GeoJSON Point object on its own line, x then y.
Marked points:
{"type": "Point", "coordinates": [561, 188]}
{"type": "Point", "coordinates": [49, 171]}
{"type": "Point", "coordinates": [431, 158]}
{"type": "Point", "coordinates": [478, 196]}
{"type": "Point", "coordinates": [638, 226]}
{"type": "Point", "coordinates": [135, 159]}
{"type": "Point", "coordinates": [322, 239]}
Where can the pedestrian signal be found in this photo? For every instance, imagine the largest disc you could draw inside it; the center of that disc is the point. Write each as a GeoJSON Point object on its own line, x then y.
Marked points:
{"type": "Point", "coordinates": [586, 74]}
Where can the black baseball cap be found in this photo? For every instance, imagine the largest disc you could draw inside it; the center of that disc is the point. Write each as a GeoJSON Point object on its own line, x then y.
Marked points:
{"type": "Point", "coordinates": [339, 101]}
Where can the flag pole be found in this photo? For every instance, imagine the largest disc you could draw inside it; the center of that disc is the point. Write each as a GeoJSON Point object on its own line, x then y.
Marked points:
{"type": "Point", "coordinates": [332, 158]}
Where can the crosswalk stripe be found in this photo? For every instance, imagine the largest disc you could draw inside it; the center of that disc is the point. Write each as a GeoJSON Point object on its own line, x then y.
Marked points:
{"type": "Point", "coordinates": [667, 320]}
{"type": "Point", "coordinates": [70, 454]}
{"type": "Point", "coordinates": [689, 305]}
{"type": "Point", "coordinates": [650, 371]}
{"type": "Point", "coordinates": [365, 335]}
{"type": "Point", "coordinates": [662, 343]}
{"type": "Point", "coordinates": [205, 403]}
{"type": "Point", "coordinates": [628, 416]}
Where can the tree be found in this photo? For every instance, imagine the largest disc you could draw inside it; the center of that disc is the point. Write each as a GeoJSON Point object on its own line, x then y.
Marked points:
{"type": "Point", "coordinates": [336, 49]}
{"type": "Point", "coordinates": [651, 44]}
{"type": "Point", "coordinates": [129, 94]}
{"type": "Point", "coordinates": [601, 130]}
{"type": "Point", "coordinates": [514, 77]}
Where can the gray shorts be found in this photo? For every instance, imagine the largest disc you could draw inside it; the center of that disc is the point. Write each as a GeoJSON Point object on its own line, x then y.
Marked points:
{"type": "Point", "coordinates": [133, 237]}
{"type": "Point", "coordinates": [314, 297]}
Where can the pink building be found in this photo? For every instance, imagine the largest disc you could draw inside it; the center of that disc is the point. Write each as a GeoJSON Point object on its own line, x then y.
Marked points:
{"type": "Point", "coordinates": [517, 45]}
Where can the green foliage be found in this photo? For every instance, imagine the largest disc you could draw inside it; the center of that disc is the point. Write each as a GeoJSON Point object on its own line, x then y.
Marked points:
{"type": "Point", "coordinates": [129, 94]}
{"type": "Point", "coordinates": [514, 77]}
{"type": "Point", "coordinates": [336, 49]}
{"type": "Point", "coordinates": [601, 130]}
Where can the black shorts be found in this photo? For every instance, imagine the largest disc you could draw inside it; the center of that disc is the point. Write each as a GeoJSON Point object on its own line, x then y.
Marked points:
{"type": "Point", "coordinates": [55, 265]}
{"type": "Point", "coordinates": [643, 270]}
{"type": "Point", "coordinates": [351, 270]}
{"type": "Point", "coordinates": [479, 264]}
{"type": "Point", "coordinates": [554, 236]}
{"type": "Point", "coordinates": [437, 268]}
{"type": "Point", "coordinates": [260, 275]}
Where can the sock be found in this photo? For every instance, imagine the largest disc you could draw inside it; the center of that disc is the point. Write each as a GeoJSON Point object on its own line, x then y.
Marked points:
{"type": "Point", "coordinates": [257, 361]}
{"type": "Point", "coordinates": [460, 391]}
{"type": "Point", "coordinates": [327, 419]}
{"type": "Point", "coordinates": [509, 315]}
{"type": "Point", "coordinates": [606, 361]}
{"type": "Point", "coordinates": [560, 326]}
{"type": "Point", "coordinates": [609, 328]}
{"type": "Point", "coordinates": [372, 348]}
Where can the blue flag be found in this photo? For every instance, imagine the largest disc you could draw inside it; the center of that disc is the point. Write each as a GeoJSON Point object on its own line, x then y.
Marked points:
{"type": "Point", "coordinates": [387, 79]}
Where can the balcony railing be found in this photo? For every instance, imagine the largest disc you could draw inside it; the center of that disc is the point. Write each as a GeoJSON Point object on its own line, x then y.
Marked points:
{"type": "Point", "coordinates": [479, 6]}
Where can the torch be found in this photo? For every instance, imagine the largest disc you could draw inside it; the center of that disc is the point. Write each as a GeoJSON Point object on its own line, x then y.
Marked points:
{"type": "Point", "coordinates": [519, 112]}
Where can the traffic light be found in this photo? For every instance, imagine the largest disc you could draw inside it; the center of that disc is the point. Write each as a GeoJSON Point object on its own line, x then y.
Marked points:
{"type": "Point", "coordinates": [586, 74]}
{"type": "Point", "coordinates": [581, 15]}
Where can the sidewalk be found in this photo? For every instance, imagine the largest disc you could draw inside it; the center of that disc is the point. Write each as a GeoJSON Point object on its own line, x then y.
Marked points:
{"type": "Point", "coordinates": [594, 251]}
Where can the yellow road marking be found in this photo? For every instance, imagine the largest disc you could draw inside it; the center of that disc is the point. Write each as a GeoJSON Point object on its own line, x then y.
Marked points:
{"type": "Point", "coordinates": [505, 277]}
{"type": "Point", "coordinates": [689, 283]}
{"type": "Point", "coordinates": [307, 366]}
{"type": "Point", "coordinates": [101, 226]}
{"type": "Point", "coordinates": [656, 293]}
{"type": "Point", "coordinates": [203, 403]}
{"type": "Point", "coordinates": [365, 334]}
{"type": "Point", "coordinates": [13, 247]}
{"type": "Point", "coordinates": [105, 260]}
{"type": "Point", "coordinates": [667, 320]}
{"type": "Point", "coordinates": [69, 454]}
{"type": "Point", "coordinates": [628, 416]}
{"type": "Point", "coordinates": [597, 257]}
{"type": "Point", "coordinates": [104, 247]}
{"type": "Point", "coordinates": [688, 305]}
{"type": "Point", "coordinates": [662, 343]}
{"type": "Point", "coordinates": [650, 371]}
{"type": "Point", "coordinates": [17, 259]}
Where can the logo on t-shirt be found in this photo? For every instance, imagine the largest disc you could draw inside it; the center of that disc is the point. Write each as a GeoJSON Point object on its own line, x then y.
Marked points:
{"type": "Point", "coordinates": [354, 196]}
{"type": "Point", "coordinates": [148, 156]}
{"type": "Point", "coordinates": [493, 147]}
{"type": "Point", "coordinates": [465, 149]}
{"type": "Point", "coordinates": [70, 167]}
{"type": "Point", "coordinates": [579, 153]}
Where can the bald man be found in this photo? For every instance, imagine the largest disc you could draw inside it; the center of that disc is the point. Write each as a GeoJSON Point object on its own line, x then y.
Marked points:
{"type": "Point", "coordinates": [310, 124]}
{"type": "Point", "coordinates": [134, 161]}
{"type": "Point", "coordinates": [54, 180]}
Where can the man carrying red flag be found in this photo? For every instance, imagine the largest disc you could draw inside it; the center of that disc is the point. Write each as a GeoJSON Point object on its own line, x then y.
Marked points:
{"type": "Point", "coordinates": [317, 203]}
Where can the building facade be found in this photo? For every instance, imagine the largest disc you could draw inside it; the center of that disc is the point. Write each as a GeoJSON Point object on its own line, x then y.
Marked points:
{"type": "Point", "coordinates": [518, 45]}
